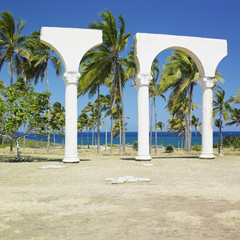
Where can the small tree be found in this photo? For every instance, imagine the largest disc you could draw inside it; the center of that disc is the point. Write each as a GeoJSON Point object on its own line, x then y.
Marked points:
{"type": "Point", "coordinates": [19, 108]}
{"type": "Point", "coordinates": [57, 120]}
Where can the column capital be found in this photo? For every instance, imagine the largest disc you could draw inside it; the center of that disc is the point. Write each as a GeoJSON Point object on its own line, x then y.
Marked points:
{"type": "Point", "coordinates": [71, 77]}
{"type": "Point", "coordinates": [143, 79]}
{"type": "Point", "coordinates": [207, 82]}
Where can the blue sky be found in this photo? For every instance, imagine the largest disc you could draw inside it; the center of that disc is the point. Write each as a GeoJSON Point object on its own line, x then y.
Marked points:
{"type": "Point", "coordinates": [205, 18]}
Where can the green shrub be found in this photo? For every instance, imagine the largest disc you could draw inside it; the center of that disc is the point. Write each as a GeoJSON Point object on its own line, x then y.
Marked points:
{"type": "Point", "coordinates": [231, 141]}
{"type": "Point", "coordinates": [215, 145]}
{"type": "Point", "coordinates": [169, 148]}
{"type": "Point", "coordinates": [196, 147]}
{"type": "Point", "coordinates": [135, 146]}
{"type": "Point", "coordinates": [109, 145]}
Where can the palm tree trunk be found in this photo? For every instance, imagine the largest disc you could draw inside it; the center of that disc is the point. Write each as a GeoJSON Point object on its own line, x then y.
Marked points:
{"type": "Point", "coordinates": [88, 137]}
{"type": "Point", "coordinates": [92, 137]}
{"type": "Point", "coordinates": [62, 138]}
{"type": "Point", "coordinates": [155, 110]}
{"type": "Point", "coordinates": [120, 135]}
{"type": "Point", "coordinates": [48, 131]}
{"type": "Point", "coordinates": [182, 145]}
{"type": "Point", "coordinates": [111, 130]}
{"type": "Point", "coordinates": [81, 139]}
{"type": "Point", "coordinates": [196, 134]}
{"type": "Point", "coordinates": [220, 132]}
{"type": "Point", "coordinates": [150, 143]}
{"type": "Point", "coordinates": [178, 141]}
{"type": "Point", "coordinates": [54, 139]}
{"type": "Point", "coordinates": [190, 95]}
{"type": "Point", "coordinates": [11, 83]}
{"type": "Point", "coordinates": [106, 134]}
{"type": "Point", "coordinates": [186, 132]}
{"type": "Point", "coordinates": [121, 95]}
{"type": "Point", "coordinates": [98, 119]}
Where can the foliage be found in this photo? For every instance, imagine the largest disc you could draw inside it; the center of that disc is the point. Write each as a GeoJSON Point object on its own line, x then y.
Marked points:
{"type": "Point", "coordinates": [117, 129]}
{"type": "Point", "coordinates": [231, 141]}
{"type": "Point", "coordinates": [234, 117]}
{"type": "Point", "coordinates": [169, 148]}
{"type": "Point", "coordinates": [11, 43]}
{"type": "Point", "coordinates": [196, 147]}
{"type": "Point", "coordinates": [135, 146]}
{"type": "Point", "coordinates": [220, 107]}
{"type": "Point", "coordinates": [103, 65]}
{"type": "Point", "coordinates": [21, 107]}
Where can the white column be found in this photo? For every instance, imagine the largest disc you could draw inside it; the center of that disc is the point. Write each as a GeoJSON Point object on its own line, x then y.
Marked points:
{"type": "Point", "coordinates": [71, 82]}
{"type": "Point", "coordinates": [207, 85]}
{"type": "Point", "coordinates": [142, 81]}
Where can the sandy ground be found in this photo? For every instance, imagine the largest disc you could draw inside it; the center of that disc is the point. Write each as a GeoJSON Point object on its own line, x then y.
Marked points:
{"type": "Point", "coordinates": [187, 198]}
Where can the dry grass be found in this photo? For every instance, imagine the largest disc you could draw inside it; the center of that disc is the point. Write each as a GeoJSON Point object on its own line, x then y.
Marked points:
{"type": "Point", "coordinates": [187, 198]}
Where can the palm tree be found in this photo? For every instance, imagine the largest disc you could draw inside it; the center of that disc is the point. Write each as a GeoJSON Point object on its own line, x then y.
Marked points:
{"type": "Point", "coordinates": [41, 55]}
{"type": "Point", "coordinates": [236, 98]}
{"type": "Point", "coordinates": [58, 119]}
{"type": "Point", "coordinates": [176, 125]}
{"type": "Point", "coordinates": [160, 126]}
{"type": "Point", "coordinates": [180, 74]}
{"type": "Point", "coordinates": [106, 62]}
{"type": "Point", "coordinates": [155, 71]}
{"type": "Point", "coordinates": [196, 124]}
{"type": "Point", "coordinates": [11, 43]}
{"type": "Point", "coordinates": [234, 117]}
{"type": "Point", "coordinates": [221, 107]}
{"type": "Point", "coordinates": [83, 119]}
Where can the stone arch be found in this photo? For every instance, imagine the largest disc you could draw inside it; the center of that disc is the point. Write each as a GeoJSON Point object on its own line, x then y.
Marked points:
{"type": "Point", "coordinates": [206, 53]}
{"type": "Point", "coordinates": [70, 44]}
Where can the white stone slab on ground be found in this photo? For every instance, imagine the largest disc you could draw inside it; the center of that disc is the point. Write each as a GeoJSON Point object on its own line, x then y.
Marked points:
{"type": "Point", "coordinates": [129, 179]}
{"type": "Point", "coordinates": [148, 164]}
{"type": "Point", "coordinates": [52, 166]}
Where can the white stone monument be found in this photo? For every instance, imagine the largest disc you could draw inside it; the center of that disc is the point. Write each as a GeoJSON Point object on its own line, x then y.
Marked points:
{"type": "Point", "coordinates": [70, 44]}
{"type": "Point", "coordinates": [206, 53]}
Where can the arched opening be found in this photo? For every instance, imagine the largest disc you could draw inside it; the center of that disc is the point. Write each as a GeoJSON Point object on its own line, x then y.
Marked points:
{"type": "Point", "coordinates": [177, 68]}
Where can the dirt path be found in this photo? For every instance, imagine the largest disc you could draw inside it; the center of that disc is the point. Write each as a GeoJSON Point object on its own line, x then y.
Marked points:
{"type": "Point", "coordinates": [187, 198]}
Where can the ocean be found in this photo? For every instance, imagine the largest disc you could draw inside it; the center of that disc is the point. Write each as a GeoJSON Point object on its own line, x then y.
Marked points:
{"type": "Point", "coordinates": [131, 137]}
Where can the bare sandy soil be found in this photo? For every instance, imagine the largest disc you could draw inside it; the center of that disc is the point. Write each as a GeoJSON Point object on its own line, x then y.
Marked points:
{"type": "Point", "coordinates": [187, 198]}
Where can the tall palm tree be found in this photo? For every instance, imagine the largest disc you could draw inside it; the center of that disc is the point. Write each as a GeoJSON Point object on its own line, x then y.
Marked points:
{"type": "Point", "coordinates": [221, 107]}
{"type": "Point", "coordinates": [92, 89]}
{"type": "Point", "coordinates": [180, 74]}
{"type": "Point", "coordinates": [196, 124]}
{"type": "Point", "coordinates": [106, 62]}
{"type": "Point", "coordinates": [11, 43]}
{"type": "Point", "coordinates": [41, 56]}
{"type": "Point", "coordinates": [155, 71]}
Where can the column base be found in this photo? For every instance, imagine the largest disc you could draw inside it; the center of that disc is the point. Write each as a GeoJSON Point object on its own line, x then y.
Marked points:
{"type": "Point", "coordinates": [71, 160]}
{"type": "Point", "coordinates": [207, 156]}
{"type": "Point", "coordinates": [143, 158]}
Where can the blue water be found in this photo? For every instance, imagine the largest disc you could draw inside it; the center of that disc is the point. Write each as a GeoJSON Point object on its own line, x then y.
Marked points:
{"type": "Point", "coordinates": [131, 137]}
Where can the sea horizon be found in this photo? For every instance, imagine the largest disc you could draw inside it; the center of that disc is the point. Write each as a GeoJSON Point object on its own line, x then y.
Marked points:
{"type": "Point", "coordinates": [131, 137]}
